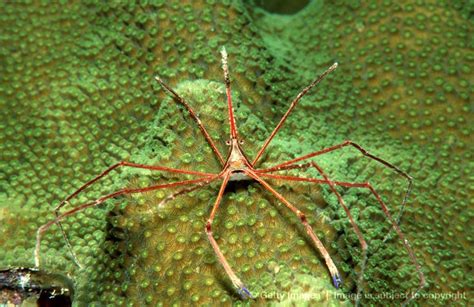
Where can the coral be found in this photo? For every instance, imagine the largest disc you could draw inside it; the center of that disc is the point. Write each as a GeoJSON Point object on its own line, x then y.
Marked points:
{"type": "Point", "coordinates": [170, 237]}
{"type": "Point", "coordinates": [77, 94]}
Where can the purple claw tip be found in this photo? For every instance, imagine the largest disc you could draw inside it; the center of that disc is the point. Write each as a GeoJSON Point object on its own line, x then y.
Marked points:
{"type": "Point", "coordinates": [337, 281]}
{"type": "Point", "coordinates": [245, 293]}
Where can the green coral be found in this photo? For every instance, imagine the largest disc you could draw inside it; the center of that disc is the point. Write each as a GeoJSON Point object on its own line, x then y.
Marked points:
{"type": "Point", "coordinates": [170, 237]}
{"type": "Point", "coordinates": [77, 94]}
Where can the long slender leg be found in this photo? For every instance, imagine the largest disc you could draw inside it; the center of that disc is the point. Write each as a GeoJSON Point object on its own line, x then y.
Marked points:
{"type": "Point", "coordinates": [362, 241]}
{"type": "Point", "coordinates": [366, 153]}
{"type": "Point", "coordinates": [194, 116]}
{"type": "Point", "coordinates": [395, 226]}
{"type": "Point", "coordinates": [243, 291]}
{"type": "Point", "coordinates": [336, 277]}
{"type": "Point", "coordinates": [104, 173]}
{"type": "Point", "coordinates": [129, 164]}
{"type": "Point", "coordinates": [183, 191]}
{"type": "Point", "coordinates": [100, 200]}
{"type": "Point", "coordinates": [65, 237]}
{"type": "Point", "coordinates": [292, 106]}
{"type": "Point", "coordinates": [405, 242]}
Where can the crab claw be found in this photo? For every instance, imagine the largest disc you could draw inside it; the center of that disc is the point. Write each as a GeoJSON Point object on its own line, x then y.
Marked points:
{"type": "Point", "coordinates": [244, 292]}
{"type": "Point", "coordinates": [336, 280]}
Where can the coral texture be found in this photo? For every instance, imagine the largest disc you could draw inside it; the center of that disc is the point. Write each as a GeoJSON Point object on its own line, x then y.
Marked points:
{"type": "Point", "coordinates": [77, 94]}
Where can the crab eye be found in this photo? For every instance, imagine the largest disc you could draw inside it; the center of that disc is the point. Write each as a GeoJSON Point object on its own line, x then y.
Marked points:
{"type": "Point", "coordinates": [241, 142]}
{"type": "Point", "coordinates": [227, 142]}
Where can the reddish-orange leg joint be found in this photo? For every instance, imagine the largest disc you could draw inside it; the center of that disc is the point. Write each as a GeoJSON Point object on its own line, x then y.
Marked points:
{"type": "Point", "coordinates": [100, 200]}
{"type": "Point", "coordinates": [367, 185]}
{"type": "Point", "coordinates": [237, 167]}
{"type": "Point", "coordinates": [360, 237]}
{"type": "Point", "coordinates": [292, 164]}
{"type": "Point", "coordinates": [336, 277]}
{"type": "Point", "coordinates": [195, 117]}
{"type": "Point", "coordinates": [242, 289]}
{"type": "Point", "coordinates": [103, 174]}
{"type": "Point", "coordinates": [292, 106]}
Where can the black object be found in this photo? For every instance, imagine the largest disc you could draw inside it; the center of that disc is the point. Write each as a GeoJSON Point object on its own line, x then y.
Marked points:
{"type": "Point", "coordinates": [49, 289]}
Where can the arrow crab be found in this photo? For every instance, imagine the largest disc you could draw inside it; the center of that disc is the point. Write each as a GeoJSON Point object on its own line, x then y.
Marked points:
{"type": "Point", "coordinates": [237, 166]}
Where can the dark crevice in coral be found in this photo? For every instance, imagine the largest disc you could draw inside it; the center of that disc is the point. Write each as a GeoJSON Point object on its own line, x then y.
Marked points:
{"type": "Point", "coordinates": [282, 7]}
